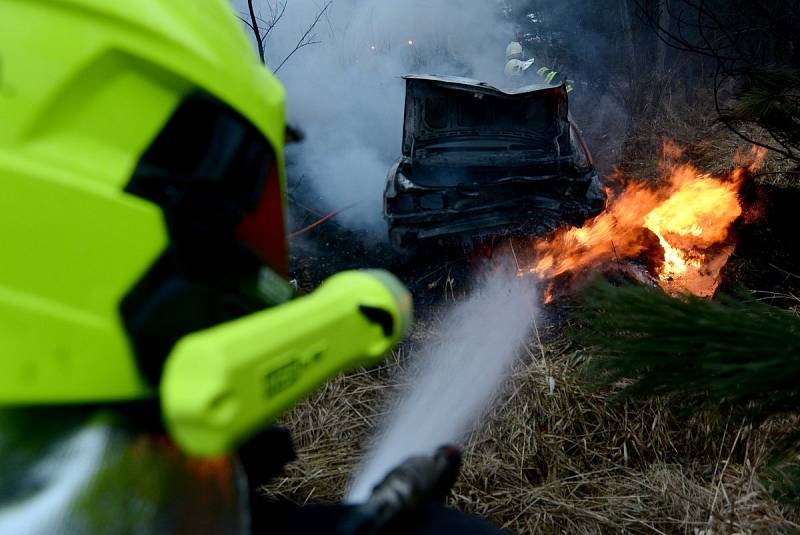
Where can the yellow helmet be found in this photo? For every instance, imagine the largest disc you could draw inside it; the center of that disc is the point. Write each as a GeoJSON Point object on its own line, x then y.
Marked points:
{"type": "Point", "coordinates": [514, 50]}
{"type": "Point", "coordinates": [141, 163]}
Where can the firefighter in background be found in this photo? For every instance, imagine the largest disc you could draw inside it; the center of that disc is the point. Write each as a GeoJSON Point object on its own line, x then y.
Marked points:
{"type": "Point", "coordinates": [522, 70]}
{"type": "Point", "coordinates": [148, 332]}
{"type": "Point", "coordinates": [515, 66]}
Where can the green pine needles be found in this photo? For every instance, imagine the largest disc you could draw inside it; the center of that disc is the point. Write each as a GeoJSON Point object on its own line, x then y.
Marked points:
{"type": "Point", "coordinates": [733, 353]}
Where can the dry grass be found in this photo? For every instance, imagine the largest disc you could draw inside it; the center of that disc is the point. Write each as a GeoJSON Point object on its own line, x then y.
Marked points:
{"type": "Point", "coordinates": [556, 456]}
{"type": "Point", "coordinates": [709, 144]}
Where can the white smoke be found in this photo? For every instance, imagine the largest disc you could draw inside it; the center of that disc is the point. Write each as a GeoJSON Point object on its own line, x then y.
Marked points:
{"type": "Point", "coordinates": [458, 376]}
{"type": "Point", "coordinates": [346, 93]}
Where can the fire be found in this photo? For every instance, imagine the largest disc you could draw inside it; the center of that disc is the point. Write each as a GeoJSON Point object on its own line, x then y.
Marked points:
{"type": "Point", "coordinates": [682, 228]}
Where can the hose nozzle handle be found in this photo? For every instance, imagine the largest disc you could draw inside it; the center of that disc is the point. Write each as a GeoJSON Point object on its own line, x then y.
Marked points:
{"type": "Point", "coordinates": [409, 486]}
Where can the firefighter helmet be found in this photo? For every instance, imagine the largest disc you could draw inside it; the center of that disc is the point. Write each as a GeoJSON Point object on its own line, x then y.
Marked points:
{"type": "Point", "coordinates": [514, 50]}
{"type": "Point", "coordinates": [142, 177]}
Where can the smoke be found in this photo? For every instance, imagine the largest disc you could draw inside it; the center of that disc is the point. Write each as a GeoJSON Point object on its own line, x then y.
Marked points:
{"type": "Point", "coordinates": [586, 42]}
{"type": "Point", "coordinates": [346, 94]}
{"type": "Point", "coordinates": [456, 377]}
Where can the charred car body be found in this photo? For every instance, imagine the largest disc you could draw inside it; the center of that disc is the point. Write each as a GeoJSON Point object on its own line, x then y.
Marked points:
{"type": "Point", "coordinates": [481, 162]}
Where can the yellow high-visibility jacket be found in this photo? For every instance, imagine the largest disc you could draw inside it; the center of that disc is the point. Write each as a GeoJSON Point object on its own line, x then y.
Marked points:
{"type": "Point", "coordinates": [552, 77]}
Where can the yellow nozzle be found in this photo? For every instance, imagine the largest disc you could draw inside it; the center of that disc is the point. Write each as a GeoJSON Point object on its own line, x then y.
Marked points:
{"type": "Point", "coordinates": [223, 384]}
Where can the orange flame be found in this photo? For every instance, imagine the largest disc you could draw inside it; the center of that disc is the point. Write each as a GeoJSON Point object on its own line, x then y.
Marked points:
{"type": "Point", "coordinates": [689, 216]}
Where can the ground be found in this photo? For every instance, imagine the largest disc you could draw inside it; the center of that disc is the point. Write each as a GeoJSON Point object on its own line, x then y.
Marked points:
{"type": "Point", "coordinates": [558, 454]}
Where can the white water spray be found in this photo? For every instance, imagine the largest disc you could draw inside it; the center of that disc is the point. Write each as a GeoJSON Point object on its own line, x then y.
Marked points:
{"type": "Point", "coordinates": [457, 378]}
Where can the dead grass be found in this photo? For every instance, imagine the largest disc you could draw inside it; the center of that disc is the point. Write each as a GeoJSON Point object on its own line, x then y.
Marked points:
{"type": "Point", "coordinates": [555, 456]}
{"type": "Point", "coordinates": [709, 144]}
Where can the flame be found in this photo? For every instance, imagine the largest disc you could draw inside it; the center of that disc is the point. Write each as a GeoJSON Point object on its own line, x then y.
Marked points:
{"type": "Point", "coordinates": [689, 216]}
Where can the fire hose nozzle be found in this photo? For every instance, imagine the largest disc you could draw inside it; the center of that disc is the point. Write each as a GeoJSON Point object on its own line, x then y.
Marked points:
{"type": "Point", "coordinates": [222, 385]}
{"type": "Point", "coordinates": [409, 486]}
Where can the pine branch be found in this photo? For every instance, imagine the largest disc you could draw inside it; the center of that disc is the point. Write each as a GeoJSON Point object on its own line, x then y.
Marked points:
{"type": "Point", "coordinates": [737, 352]}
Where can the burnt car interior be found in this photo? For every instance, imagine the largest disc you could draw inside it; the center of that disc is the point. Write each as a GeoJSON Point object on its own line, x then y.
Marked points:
{"type": "Point", "coordinates": [477, 160]}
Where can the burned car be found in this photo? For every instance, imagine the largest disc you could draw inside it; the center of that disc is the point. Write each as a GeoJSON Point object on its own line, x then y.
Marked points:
{"type": "Point", "coordinates": [482, 163]}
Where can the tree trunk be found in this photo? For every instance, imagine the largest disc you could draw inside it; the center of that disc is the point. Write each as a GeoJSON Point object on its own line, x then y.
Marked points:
{"type": "Point", "coordinates": [256, 31]}
{"type": "Point", "coordinates": [663, 22]}
{"type": "Point", "coordinates": [631, 91]}
{"type": "Point", "coordinates": [627, 30]}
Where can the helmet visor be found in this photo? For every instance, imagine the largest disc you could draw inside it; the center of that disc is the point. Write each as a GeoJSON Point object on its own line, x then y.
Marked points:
{"type": "Point", "coordinates": [217, 181]}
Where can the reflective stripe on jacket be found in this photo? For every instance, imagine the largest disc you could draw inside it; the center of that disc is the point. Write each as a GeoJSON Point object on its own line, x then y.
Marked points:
{"type": "Point", "coordinates": [549, 75]}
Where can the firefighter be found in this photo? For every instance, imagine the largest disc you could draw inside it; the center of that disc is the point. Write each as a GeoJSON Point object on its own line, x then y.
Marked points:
{"type": "Point", "coordinates": [517, 67]}
{"type": "Point", "coordinates": [552, 77]}
{"type": "Point", "coordinates": [514, 51]}
{"type": "Point", "coordinates": [147, 329]}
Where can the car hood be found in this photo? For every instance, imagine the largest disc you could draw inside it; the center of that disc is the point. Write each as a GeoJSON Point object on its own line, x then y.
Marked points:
{"type": "Point", "coordinates": [462, 118]}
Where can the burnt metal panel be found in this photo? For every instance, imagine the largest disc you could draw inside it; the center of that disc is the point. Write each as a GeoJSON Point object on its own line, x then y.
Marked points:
{"type": "Point", "coordinates": [442, 108]}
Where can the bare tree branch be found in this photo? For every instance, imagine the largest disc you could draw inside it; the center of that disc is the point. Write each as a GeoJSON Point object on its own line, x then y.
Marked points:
{"type": "Point", "coordinates": [276, 14]}
{"type": "Point", "coordinates": [256, 30]}
{"type": "Point", "coordinates": [246, 22]}
{"type": "Point", "coordinates": [307, 38]}
{"type": "Point", "coordinates": [746, 53]}
{"type": "Point", "coordinates": [723, 117]}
